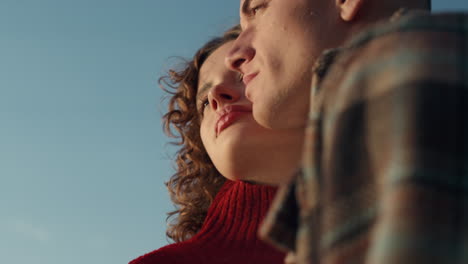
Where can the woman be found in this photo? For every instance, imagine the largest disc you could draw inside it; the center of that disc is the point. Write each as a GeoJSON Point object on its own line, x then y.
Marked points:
{"type": "Point", "coordinates": [224, 151]}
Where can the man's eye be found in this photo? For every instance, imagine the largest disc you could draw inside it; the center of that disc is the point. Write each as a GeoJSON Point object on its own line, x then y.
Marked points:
{"type": "Point", "coordinates": [254, 10]}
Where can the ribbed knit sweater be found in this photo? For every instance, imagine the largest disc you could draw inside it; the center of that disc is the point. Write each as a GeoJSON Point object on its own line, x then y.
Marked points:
{"type": "Point", "coordinates": [229, 233]}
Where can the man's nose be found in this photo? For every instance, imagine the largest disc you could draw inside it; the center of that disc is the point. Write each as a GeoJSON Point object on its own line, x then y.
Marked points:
{"type": "Point", "coordinates": [240, 54]}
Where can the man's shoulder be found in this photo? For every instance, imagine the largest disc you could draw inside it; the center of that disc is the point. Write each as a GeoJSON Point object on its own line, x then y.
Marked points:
{"type": "Point", "coordinates": [415, 45]}
{"type": "Point", "coordinates": [416, 36]}
{"type": "Point", "coordinates": [415, 48]}
{"type": "Point", "coordinates": [413, 24]}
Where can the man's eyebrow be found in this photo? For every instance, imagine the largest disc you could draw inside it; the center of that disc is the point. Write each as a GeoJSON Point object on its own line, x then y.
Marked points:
{"type": "Point", "coordinates": [245, 7]}
{"type": "Point", "coordinates": [204, 89]}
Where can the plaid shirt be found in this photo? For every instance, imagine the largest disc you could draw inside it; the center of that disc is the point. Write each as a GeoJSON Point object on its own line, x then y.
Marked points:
{"type": "Point", "coordinates": [385, 165]}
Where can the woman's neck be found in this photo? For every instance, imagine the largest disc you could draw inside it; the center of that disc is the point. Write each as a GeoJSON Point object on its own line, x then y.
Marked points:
{"type": "Point", "coordinates": [236, 213]}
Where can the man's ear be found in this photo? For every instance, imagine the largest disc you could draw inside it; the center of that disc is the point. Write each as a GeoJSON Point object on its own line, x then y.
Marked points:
{"type": "Point", "coordinates": [349, 8]}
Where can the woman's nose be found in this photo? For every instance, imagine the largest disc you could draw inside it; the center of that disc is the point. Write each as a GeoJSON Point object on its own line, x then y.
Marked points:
{"type": "Point", "coordinates": [222, 95]}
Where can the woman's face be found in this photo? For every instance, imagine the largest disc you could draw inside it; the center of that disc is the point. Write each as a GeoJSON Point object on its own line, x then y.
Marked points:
{"type": "Point", "coordinates": [239, 147]}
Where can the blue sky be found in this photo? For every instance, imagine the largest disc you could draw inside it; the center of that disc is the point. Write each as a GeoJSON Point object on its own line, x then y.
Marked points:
{"type": "Point", "coordinates": [82, 155]}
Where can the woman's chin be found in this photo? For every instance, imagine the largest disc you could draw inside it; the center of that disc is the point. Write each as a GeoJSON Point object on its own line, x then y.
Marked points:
{"type": "Point", "coordinates": [245, 177]}
{"type": "Point", "coordinates": [234, 175]}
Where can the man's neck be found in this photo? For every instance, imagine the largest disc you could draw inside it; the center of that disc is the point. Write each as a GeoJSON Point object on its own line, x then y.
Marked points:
{"type": "Point", "coordinates": [375, 11]}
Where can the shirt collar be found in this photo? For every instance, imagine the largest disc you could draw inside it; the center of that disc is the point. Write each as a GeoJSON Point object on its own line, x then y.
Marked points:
{"type": "Point", "coordinates": [327, 58]}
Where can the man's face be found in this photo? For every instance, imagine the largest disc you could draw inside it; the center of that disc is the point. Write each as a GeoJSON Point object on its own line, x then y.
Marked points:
{"type": "Point", "coordinates": [276, 51]}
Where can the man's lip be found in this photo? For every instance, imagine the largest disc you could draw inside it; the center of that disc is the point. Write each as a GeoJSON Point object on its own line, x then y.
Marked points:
{"type": "Point", "coordinates": [248, 78]}
{"type": "Point", "coordinates": [229, 115]}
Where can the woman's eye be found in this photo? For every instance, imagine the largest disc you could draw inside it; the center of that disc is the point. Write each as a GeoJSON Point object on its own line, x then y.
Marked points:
{"type": "Point", "coordinates": [204, 104]}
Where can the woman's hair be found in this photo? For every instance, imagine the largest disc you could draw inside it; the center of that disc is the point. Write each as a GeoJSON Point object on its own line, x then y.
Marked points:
{"type": "Point", "coordinates": [196, 181]}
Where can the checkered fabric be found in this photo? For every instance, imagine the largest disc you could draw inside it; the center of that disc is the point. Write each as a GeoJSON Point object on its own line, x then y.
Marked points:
{"type": "Point", "coordinates": [385, 170]}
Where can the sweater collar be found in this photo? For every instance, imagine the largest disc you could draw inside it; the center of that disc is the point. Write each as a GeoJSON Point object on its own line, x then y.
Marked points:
{"type": "Point", "coordinates": [236, 213]}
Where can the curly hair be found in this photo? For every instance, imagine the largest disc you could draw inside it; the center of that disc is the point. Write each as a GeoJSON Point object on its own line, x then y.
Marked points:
{"type": "Point", "coordinates": [196, 181]}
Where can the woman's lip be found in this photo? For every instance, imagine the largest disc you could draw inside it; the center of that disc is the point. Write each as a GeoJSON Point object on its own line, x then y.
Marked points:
{"type": "Point", "coordinates": [248, 78]}
{"type": "Point", "coordinates": [227, 120]}
{"type": "Point", "coordinates": [230, 115]}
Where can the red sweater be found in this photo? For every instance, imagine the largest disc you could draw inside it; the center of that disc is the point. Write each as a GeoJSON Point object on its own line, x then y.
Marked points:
{"type": "Point", "coordinates": [229, 233]}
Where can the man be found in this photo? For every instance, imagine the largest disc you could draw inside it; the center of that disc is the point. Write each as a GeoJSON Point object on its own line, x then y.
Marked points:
{"type": "Point", "coordinates": [384, 176]}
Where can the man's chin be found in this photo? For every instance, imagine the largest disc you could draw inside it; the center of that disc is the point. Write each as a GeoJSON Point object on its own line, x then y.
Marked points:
{"type": "Point", "coordinates": [278, 120]}
{"type": "Point", "coordinates": [264, 119]}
